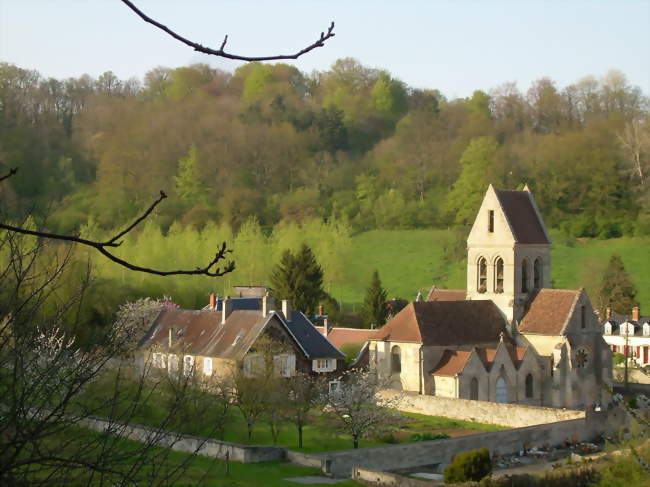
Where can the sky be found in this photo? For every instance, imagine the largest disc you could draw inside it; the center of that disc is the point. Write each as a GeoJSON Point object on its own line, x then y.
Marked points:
{"type": "Point", "coordinates": [453, 46]}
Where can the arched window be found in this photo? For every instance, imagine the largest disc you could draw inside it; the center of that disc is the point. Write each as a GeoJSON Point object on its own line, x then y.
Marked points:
{"type": "Point", "coordinates": [482, 275]}
{"type": "Point", "coordinates": [395, 360]}
{"type": "Point", "coordinates": [473, 389]}
{"type": "Point", "coordinates": [537, 273]}
{"type": "Point", "coordinates": [524, 276]}
{"type": "Point", "coordinates": [498, 275]}
{"type": "Point", "coordinates": [529, 386]}
{"type": "Point", "coordinates": [502, 390]}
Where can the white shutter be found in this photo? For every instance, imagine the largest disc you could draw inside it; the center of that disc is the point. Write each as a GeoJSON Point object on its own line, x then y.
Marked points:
{"type": "Point", "coordinates": [291, 365]}
{"type": "Point", "coordinates": [207, 366]}
{"type": "Point", "coordinates": [188, 365]}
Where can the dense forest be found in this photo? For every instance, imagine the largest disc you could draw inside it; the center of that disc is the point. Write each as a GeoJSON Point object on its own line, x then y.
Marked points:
{"type": "Point", "coordinates": [271, 154]}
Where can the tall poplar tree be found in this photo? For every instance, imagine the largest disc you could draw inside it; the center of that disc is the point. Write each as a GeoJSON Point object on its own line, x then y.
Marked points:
{"type": "Point", "coordinates": [374, 308]}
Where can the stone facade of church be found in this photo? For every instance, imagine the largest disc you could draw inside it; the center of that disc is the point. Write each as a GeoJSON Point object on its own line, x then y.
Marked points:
{"type": "Point", "coordinates": [509, 337]}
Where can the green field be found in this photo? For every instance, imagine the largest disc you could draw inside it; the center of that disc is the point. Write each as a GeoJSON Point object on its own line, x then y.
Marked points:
{"type": "Point", "coordinates": [409, 260]}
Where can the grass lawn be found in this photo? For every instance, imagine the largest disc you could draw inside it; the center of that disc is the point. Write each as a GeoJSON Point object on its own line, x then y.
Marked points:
{"type": "Point", "coordinates": [323, 435]}
{"type": "Point", "coordinates": [408, 261]}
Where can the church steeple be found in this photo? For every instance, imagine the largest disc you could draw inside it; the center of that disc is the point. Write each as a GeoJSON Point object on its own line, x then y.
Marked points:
{"type": "Point", "coordinates": [508, 251]}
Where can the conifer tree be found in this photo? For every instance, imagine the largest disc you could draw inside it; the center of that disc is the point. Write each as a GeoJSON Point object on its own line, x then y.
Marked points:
{"type": "Point", "coordinates": [617, 290]}
{"type": "Point", "coordinates": [374, 304]}
{"type": "Point", "coordinates": [299, 278]}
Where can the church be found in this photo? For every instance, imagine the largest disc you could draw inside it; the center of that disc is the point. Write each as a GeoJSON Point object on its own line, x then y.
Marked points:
{"type": "Point", "coordinates": [509, 336]}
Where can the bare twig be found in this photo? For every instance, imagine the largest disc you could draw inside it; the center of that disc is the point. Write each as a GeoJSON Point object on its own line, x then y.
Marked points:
{"type": "Point", "coordinates": [320, 42]}
{"type": "Point", "coordinates": [211, 269]}
{"type": "Point", "coordinates": [11, 172]}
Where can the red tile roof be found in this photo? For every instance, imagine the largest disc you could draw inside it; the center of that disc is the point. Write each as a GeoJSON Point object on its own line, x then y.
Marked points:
{"type": "Point", "coordinates": [451, 363]}
{"type": "Point", "coordinates": [445, 323]}
{"type": "Point", "coordinates": [524, 221]}
{"type": "Point", "coordinates": [340, 336]}
{"type": "Point", "coordinates": [436, 294]}
{"type": "Point", "coordinates": [549, 311]}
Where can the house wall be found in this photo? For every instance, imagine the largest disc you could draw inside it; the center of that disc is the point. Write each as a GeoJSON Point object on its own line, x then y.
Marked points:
{"type": "Point", "coordinates": [444, 386]}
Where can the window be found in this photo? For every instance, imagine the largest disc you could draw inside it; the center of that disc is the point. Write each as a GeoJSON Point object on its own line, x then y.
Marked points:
{"type": "Point", "coordinates": [324, 365]}
{"type": "Point", "coordinates": [253, 364]}
{"type": "Point", "coordinates": [207, 366]}
{"type": "Point", "coordinates": [395, 360]}
{"type": "Point", "coordinates": [646, 329]}
{"type": "Point", "coordinates": [529, 386]}
{"type": "Point", "coordinates": [583, 317]}
{"type": "Point", "coordinates": [334, 386]}
{"type": "Point", "coordinates": [537, 273]}
{"type": "Point", "coordinates": [491, 221]}
{"type": "Point", "coordinates": [188, 365]}
{"type": "Point", "coordinates": [473, 389]}
{"type": "Point", "coordinates": [498, 276]}
{"type": "Point", "coordinates": [524, 276]}
{"type": "Point", "coordinates": [482, 275]}
{"type": "Point", "coordinates": [158, 360]}
{"type": "Point", "coordinates": [501, 390]}
{"type": "Point", "coordinates": [284, 365]}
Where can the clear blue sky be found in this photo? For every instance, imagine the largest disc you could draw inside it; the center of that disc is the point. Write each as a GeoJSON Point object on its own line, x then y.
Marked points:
{"type": "Point", "coordinates": [454, 46]}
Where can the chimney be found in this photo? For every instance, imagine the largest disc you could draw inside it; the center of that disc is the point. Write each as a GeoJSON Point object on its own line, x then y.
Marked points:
{"type": "Point", "coordinates": [635, 313]}
{"type": "Point", "coordinates": [213, 301]}
{"type": "Point", "coordinates": [326, 328]}
{"type": "Point", "coordinates": [321, 310]}
{"type": "Point", "coordinates": [286, 309]}
{"type": "Point", "coordinates": [267, 304]}
{"type": "Point", "coordinates": [169, 336]}
{"type": "Point", "coordinates": [226, 309]}
{"type": "Point", "coordinates": [608, 312]}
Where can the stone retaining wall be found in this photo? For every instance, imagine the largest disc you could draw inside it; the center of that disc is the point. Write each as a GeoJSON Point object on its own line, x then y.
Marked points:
{"type": "Point", "coordinates": [511, 415]}
{"type": "Point", "coordinates": [441, 452]}
{"type": "Point", "coordinates": [386, 479]}
{"type": "Point", "coordinates": [188, 443]}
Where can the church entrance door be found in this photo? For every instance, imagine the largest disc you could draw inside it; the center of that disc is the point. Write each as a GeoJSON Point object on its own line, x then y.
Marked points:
{"type": "Point", "coordinates": [502, 390]}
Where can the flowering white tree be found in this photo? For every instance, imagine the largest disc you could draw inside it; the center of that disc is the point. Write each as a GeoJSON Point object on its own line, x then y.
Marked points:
{"type": "Point", "coordinates": [357, 407]}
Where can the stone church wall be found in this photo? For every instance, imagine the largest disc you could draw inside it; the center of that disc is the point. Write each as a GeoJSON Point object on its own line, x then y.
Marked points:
{"type": "Point", "coordinates": [512, 415]}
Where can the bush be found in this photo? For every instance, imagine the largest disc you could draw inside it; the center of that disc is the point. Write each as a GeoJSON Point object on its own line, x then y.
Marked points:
{"type": "Point", "coordinates": [429, 436]}
{"type": "Point", "coordinates": [468, 466]}
{"type": "Point", "coordinates": [618, 358]}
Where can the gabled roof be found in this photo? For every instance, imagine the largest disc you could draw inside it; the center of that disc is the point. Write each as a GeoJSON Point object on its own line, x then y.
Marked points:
{"type": "Point", "coordinates": [523, 218]}
{"type": "Point", "coordinates": [313, 342]}
{"type": "Point", "coordinates": [202, 333]}
{"type": "Point", "coordinates": [487, 355]}
{"type": "Point", "coordinates": [445, 323]}
{"type": "Point", "coordinates": [339, 336]}
{"type": "Point", "coordinates": [436, 294]}
{"type": "Point", "coordinates": [549, 311]}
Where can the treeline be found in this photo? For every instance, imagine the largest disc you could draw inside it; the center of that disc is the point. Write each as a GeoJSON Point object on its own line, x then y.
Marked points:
{"type": "Point", "coordinates": [352, 144]}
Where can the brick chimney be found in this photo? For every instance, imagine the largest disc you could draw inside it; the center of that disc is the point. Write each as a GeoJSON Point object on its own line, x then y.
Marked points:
{"type": "Point", "coordinates": [635, 313]}
{"type": "Point", "coordinates": [286, 309]}
{"type": "Point", "coordinates": [608, 312]}
{"type": "Point", "coordinates": [226, 309]}
{"type": "Point", "coordinates": [268, 303]}
{"type": "Point", "coordinates": [213, 301]}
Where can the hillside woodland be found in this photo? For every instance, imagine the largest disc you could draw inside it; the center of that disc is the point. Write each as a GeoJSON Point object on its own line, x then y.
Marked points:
{"type": "Point", "coordinates": [267, 157]}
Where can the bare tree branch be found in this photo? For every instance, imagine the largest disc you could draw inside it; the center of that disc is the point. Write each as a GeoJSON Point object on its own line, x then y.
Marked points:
{"type": "Point", "coordinates": [320, 42]}
{"type": "Point", "coordinates": [11, 172]}
{"type": "Point", "coordinates": [211, 269]}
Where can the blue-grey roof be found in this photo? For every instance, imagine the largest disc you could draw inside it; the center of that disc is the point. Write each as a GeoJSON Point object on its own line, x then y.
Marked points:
{"type": "Point", "coordinates": [242, 304]}
{"type": "Point", "coordinates": [312, 341]}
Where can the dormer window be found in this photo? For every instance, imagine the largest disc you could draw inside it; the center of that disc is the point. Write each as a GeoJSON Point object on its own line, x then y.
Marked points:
{"type": "Point", "coordinates": [608, 329]}
{"type": "Point", "coordinates": [482, 275]}
{"type": "Point", "coordinates": [627, 328]}
{"type": "Point", "coordinates": [490, 221]}
{"type": "Point", "coordinates": [646, 329]}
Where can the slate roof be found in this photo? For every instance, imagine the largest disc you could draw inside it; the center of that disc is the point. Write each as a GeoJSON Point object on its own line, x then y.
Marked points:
{"type": "Point", "coordinates": [445, 323]}
{"type": "Point", "coordinates": [525, 223]}
{"type": "Point", "coordinates": [312, 341]}
{"type": "Point", "coordinates": [201, 333]}
{"type": "Point", "coordinates": [436, 294]}
{"type": "Point", "coordinates": [549, 311]}
{"type": "Point", "coordinates": [339, 336]}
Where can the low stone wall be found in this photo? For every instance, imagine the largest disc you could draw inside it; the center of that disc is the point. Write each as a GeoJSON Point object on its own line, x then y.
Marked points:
{"type": "Point", "coordinates": [386, 479]}
{"type": "Point", "coordinates": [511, 415]}
{"type": "Point", "coordinates": [441, 452]}
{"type": "Point", "coordinates": [305, 459]}
{"type": "Point", "coordinates": [187, 443]}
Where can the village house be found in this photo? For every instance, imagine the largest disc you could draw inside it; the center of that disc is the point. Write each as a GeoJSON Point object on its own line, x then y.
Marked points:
{"type": "Point", "coordinates": [229, 332]}
{"type": "Point", "coordinates": [628, 335]}
{"type": "Point", "coordinates": [508, 337]}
